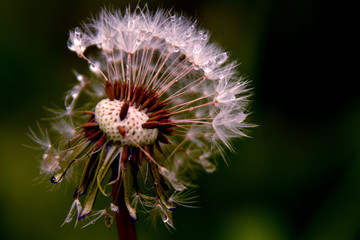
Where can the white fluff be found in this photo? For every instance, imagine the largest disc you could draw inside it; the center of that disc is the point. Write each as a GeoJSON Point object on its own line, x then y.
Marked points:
{"type": "Point", "coordinates": [117, 34]}
{"type": "Point", "coordinates": [190, 86]}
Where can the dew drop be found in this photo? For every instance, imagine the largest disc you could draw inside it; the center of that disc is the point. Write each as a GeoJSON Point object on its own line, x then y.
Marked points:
{"type": "Point", "coordinates": [69, 44]}
{"type": "Point", "coordinates": [208, 166]}
{"type": "Point", "coordinates": [197, 48]}
{"type": "Point", "coordinates": [93, 68]}
{"type": "Point", "coordinates": [148, 36]}
{"type": "Point", "coordinates": [170, 48]}
{"type": "Point", "coordinates": [77, 32]}
{"type": "Point", "coordinates": [141, 35]}
{"type": "Point", "coordinates": [137, 43]}
{"type": "Point", "coordinates": [209, 66]}
{"type": "Point", "coordinates": [207, 69]}
{"type": "Point", "coordinates": [74, 95]}
{"type": "Point", "coordinates": [221, 58]}
{"type": "Point", "coordinates": [53, 179]}
{"type": "Point", "coordinates": [80, 78]}
{"type": "Point", "coordinates": [130, 24]}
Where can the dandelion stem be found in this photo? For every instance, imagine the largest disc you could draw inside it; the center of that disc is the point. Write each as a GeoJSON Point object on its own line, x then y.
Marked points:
{"type": "Point", "coordinates": [124, 222]}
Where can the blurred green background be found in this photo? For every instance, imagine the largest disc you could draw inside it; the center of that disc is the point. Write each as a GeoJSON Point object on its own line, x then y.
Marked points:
{"type": "Point", "coordinates": [298, 177]}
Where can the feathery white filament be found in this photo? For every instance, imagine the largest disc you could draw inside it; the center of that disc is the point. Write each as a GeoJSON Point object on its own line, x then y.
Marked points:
{"type": "Point", "coordinates": [167, 53]}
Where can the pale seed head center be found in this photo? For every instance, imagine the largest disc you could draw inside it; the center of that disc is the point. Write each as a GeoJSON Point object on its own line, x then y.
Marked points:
{"type": "Point", "coordinates": [107, 115]}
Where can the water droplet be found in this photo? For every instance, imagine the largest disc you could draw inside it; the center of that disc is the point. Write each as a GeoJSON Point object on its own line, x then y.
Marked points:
{"type": "Point", "coordinates": [221, 58]}
{"type": "Point", "coordinates": [77, 32]}
{"type": "Point", "coordinates": [130, 24]}
{"type": "Point", "coordinates": [209, 66]}
{"type": "Point", "coordinates": [69, 44]}
{"type": "Point", "coordinates": [176, 49]}
{"type": "Point", "coordinates": [74, 42]}
{"type": "Point", "coordinates": [226, 97]}
{"type": "Point", "coordinates": [74, 95]}
{"type": "Point", "coordinates": [137, 43]}
{"type": "Point", "coordinates": [80, 78]}
{"type": "Point", "coordinates": [208, 166]}
{"type": "Point", "coordinates": [114, 208]}
{"type": "Point", "coordinates": [141, 35]}
{"type": "Point", "coordinates": [172, 18]}
{"type": "Point", "coordinates": [170, 48]}
{"type": "Point", "coordinates": [204, 37]}
{"type": "Point", "coordinates": [197, 48]}
{"type": "Point", "coordinates": [93, 68]}
{"type": "Point", "coordinates": [207, 69]}
{"type": "Point", "coordinates": [148, 36]}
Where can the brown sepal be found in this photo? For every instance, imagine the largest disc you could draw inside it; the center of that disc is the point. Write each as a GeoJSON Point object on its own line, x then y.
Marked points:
{"type": "Point", "coordinates": [162, 138]}
{"type": "Point", "coordinates": [147, 150]}
{"type": "Point", "coordinates": [160, 112]}
{"type": "Point", "coordinates": [158, 105]}
{"type": "Point", "coordinates": [139, 100]}
{"type": "Point", "coordinates": [135, 95]}
{"type": "Point", "coordinates": [158, 147]}
{"type": "Point", "coordinates": [124, 110]}
{"type": "Point", "coordinates": [124, 154]}
{"type": "Point", "coordinates": [89, 112]}
{"type": "Point", "coordinates": [122, 92]}
{"type": "Point", "coordinates": [100, 143]}
{"type": "Point", "coordinates": [154, 124]}
{"type": "Point", "coordinates": [148, 102]}
{"type": "Point", "coordinates": [166, 131]}
{"type": "Point", "coordinates": [151, 124]}
{"type": "Point", "coordinates": [88, 132]}
{"type": "Point", "coordinates": [117, 89]}
{"type": "Point", "coordinates": [121, 131]}
{"type": "Point", "coordinates": [95, 135]}
{"type": "Point", "coordinates": [156, 117]}
{"type": "Point", "coordinates": [140, 157]}
{"type": "Point", "coordinates": [110, 91]}
{"type": "Point", "coordinates": [90, 124]}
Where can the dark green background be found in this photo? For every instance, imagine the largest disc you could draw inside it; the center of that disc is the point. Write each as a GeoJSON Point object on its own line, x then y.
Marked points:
{"type": "Point", "coordinates": [298, 177]}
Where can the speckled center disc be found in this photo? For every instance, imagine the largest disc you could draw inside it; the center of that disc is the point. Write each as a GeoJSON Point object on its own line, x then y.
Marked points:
{"type": "Point", "coordinates": [107, 114]}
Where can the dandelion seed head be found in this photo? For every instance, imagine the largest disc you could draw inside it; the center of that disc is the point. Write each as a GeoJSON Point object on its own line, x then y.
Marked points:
{"type": "Point", "coordinates": [161, 101]}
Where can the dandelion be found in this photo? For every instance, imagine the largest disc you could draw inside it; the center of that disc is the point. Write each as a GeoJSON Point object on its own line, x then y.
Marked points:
{"type": "Point", "coordinates": [160, 102]}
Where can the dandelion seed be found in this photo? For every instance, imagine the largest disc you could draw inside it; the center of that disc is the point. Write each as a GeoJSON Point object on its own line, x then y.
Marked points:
{"type": "Point", "coordinates": [169, 101]}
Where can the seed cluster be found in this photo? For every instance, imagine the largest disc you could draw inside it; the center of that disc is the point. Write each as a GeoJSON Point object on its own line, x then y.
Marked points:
{"type": "Point", "coordinates": [172, 100]}
{"type": "Point", "coordinates": [128, 131]}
